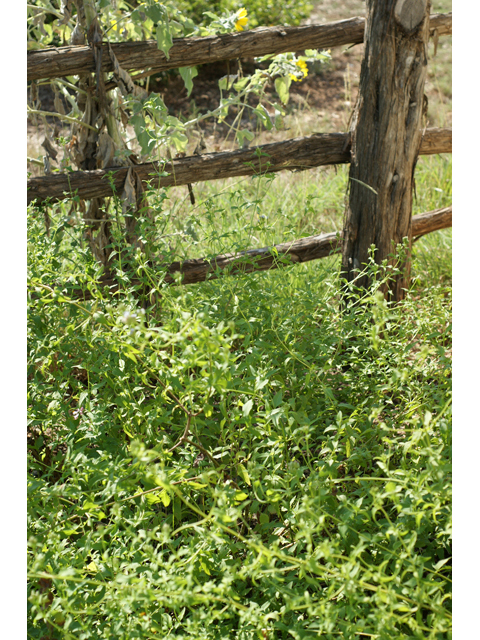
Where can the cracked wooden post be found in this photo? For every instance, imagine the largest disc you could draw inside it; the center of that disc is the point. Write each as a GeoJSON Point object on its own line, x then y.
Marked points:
{"type": "Point", "coordinates": [386, 134]}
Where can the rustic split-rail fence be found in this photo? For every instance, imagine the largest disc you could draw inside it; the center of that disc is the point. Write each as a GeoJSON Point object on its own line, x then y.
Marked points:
{"type": "Point", "coordinates": [386, 136]}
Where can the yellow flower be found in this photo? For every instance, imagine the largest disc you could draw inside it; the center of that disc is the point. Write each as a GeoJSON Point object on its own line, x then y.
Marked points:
{"type": "Point", "coordinates": [241, 19]}
{"type": "Point", "coordinates": [303, 68]}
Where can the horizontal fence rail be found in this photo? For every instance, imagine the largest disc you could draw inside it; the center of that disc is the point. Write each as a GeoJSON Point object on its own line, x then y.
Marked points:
{"type": "Point", "coordinates": [296, 154]}
{"type": "Point", "coordinates": [57, 62]}
{"type": "Point", "coordinates": [267, 258]}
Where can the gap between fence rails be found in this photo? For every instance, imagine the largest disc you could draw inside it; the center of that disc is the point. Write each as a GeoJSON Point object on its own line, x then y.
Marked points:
{"type": "Point", "coordinates": [267, 258]}
{"type": "Point", "coordinates": [57, 62]}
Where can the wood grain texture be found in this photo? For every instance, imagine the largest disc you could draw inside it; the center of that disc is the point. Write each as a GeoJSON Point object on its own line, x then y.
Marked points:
{"type": "Point", "coordinates": [386, 141]}
{"type": "Point", "coordinates": [280, 255]}
{"type": "Point", "coordinates": [410, 13]}
{"type": "Point", "coordinates": [57, 62]}
{"type": "Point", "coordinates": [295, 154]}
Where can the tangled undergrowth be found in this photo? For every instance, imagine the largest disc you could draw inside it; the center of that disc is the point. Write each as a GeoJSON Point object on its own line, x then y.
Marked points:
{"type": "Point", "coordinates": [242, 458]}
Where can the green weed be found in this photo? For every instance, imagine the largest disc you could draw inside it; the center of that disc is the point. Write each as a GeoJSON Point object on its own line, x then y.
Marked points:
{"type": "Point", "coordinates": [240, 458]}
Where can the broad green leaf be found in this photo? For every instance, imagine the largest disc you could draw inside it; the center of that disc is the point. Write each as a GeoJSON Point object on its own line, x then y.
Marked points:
{"type": "Point", "coordinates": [92, 567]}
{"type": "Point", "coordinates": [208, 410]}
{"type": "Point", "coordinates": [227, 82]}
{"type": "Point", "coordinates": [247, 407]}
{"type": "Point", "coordinates": [177, 509]}
{"type": "Point", "coordinates": [180, 140]}
{"type": "Point", "coordinates": [440, 563]}
{"type": "Point", "coordinates": [155, 12]}
{"type": "Point", "coordinates": [145, 137]}
{"type": "Point", "coordinates": [197, 485]}
{"type": "Point", "coordinates": [241, 470]}
{"type": "Point", "coordinates": [240, 84]}
{"type": "Point", "coordinates": [165, 498]}
{"type": "Point", "coordinates": [264, 117]}
{"type": "Point", "coordinates": [282, 87]}
{"type": "Point", "coordinates": [188, 73]}
{"type": "Point", "coordinates": [390, 487]}
{"type": "Point", "coordinates": [204, 566]}
{"type": "Point", "coordinates": [244, 134]}
{"type": "Point", "coordinates": [264, 518]}
{"type": "Point", "coordinates": [164, 37]}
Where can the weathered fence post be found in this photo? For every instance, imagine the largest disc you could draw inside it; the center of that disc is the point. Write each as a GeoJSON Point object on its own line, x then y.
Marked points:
{"type": "Point", "coordinates": [385, 137]}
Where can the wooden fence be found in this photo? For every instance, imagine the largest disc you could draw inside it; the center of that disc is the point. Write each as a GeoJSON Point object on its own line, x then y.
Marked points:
{"type": "Point", "coordinates": [267, 258]}
{"type": "Point", "coordinates": [294, 154]}
{"type": "Point", "coordinates": [75, 60]}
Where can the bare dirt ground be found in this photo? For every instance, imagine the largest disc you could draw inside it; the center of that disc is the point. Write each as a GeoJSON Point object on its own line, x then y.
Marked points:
{"type": "Point", "coordinates": [321, 103]}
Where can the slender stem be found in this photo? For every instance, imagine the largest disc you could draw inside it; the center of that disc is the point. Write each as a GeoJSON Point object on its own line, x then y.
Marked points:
{"type": "Point", "coordinates": [48, 10]}
{"type": "Point", "coordinates": [54, 114]}
{"type": "Point", "coordinates": [184, 435]}
{"type": "Point", "coordinates": [202, 449]}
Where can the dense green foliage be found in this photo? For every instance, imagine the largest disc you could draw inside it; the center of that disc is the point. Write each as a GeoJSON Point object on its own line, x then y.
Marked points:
{"type": "Point", "coordinates": [245, 457]}
{"type": "Point", "coordinates": [242, 458]}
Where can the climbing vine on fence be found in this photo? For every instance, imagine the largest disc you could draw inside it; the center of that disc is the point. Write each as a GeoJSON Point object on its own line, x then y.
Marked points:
{"type": "Point", "coordinates": [102, 109]}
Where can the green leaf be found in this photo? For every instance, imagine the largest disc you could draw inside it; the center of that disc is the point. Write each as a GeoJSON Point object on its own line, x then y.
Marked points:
{"type": "Point", "coordinates": [247, 407]}
{"type": "Point", "coordinates": [208, 410]}
{"type": "Point", "coordinates": [204, 566]}
{"type": "Point", "coordinates": [440, 563]}
{"type": "Point", "coordinates": [226, 81]}
{"type": "Point", "coordinates": [264, 518]}
{"type": "Point", "coordinates": [145, 137]}
{"type": "Point", "coordinates": [277, 399]}
{"type": "Point", "coordinates": [130, 355]}
{"type": "Point", "coordinates": [243, 473]}
{"type": "Point", "coordinates": [164, 37]}
{"type": "Point", "coordinates": [282, 87]}
{"type": "Point", "coordinates": [264, 117]}
{"type": "Point", "coordinates": [165, 498]}
{"type": "Point", "coordinates": [188, 73]}
{"type": "Point", "coordinates": [179, 140]}
{"type": "Point", "coordinates": [390, 487]}
{"type": "Point", "coordinates": [241, 83]}
{"type": "Point", "coordinates": [197, 485]}
{"type": "Point", "coordinates": [243, 134]}
{"type": "Point", "coordinates": [177, 509]}
{"type": "Point", "coordinates": [155, 12]}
